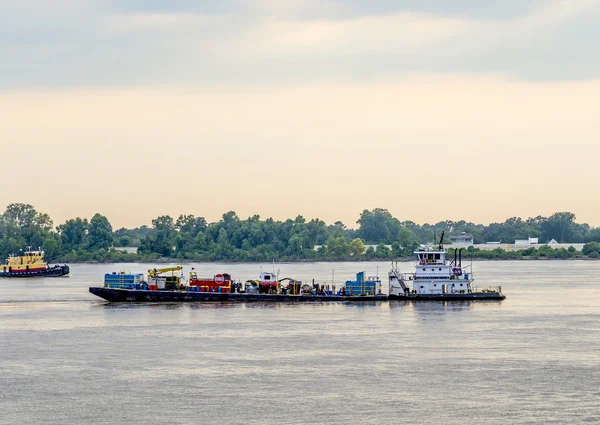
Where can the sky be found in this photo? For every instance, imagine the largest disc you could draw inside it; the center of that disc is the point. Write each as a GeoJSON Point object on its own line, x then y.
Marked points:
{"type": "Point", "coordinates": [435, 110]}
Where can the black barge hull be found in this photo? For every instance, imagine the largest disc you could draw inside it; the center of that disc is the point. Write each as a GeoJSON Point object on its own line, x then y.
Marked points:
{"type": "Point", "coordinates": [144, 296]}
{"type": "Point", "coordinates": [479, 296]}
{"type": "Point", "coordinates": [55, 271]}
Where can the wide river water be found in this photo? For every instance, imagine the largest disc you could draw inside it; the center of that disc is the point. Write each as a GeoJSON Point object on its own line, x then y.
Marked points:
{"type": "Point", "coordinates": [67, 357]}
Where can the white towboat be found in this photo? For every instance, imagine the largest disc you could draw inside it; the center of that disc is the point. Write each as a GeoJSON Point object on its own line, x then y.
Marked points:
{"type": "Point", "coordinates": [438, 279]}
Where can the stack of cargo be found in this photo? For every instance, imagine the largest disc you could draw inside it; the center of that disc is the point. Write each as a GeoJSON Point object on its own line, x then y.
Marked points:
{"type": "Point", "coordinates": [123, 280]}
{"type": "Point", "coordinates": [360, 286]}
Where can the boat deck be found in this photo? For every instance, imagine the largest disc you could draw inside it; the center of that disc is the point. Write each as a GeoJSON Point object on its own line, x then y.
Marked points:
{"type": "Point", "coordinates": [135, 295]}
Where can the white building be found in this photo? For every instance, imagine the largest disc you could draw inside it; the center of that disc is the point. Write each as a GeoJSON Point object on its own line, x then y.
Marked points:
{"type": "Point", "coordinates": [464, 239]}
{"type": "Point", "coordinates": [530, 241]}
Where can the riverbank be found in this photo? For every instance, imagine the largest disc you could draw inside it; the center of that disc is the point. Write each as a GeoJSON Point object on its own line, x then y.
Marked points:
{"type": "Point", "coordinates": [307, 261]}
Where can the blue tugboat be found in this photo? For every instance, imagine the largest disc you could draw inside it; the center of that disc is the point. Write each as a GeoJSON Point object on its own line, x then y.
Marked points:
{"type": "Point", "coordinates": [438, 279]}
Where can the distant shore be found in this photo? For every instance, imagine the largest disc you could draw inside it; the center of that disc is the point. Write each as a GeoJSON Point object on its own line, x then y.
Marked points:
{"type": "Point", "coordinates": [404, 260]}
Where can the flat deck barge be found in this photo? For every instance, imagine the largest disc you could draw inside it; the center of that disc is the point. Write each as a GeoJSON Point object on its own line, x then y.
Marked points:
{"type": "Point", "coordinates": [140, 295]}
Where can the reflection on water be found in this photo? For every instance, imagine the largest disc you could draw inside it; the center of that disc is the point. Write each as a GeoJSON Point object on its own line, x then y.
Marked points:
{"type": "Point", "coordinates": [69, 357]}
{"type": "Point", "coordinates": [426, 306]}
{"type": "Point", "coordinates": [233, 304]}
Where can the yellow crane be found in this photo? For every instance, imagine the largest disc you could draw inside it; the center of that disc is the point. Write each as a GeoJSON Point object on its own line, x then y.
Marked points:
{"type": "Point", "coordinates": [156, 272]}
{"type": "Point", "coordinates": [164, 282]}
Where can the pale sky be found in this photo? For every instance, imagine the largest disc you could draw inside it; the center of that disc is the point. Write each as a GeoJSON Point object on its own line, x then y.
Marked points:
{"type": "Point", "coordinates": [465, 109]}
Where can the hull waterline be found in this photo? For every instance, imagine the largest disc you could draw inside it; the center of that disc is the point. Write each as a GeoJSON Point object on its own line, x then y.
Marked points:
{"type": "Point", "coordinates": [55, 271]}
{"type": "Point", "coordinates": [480, 296]}
{"type": "Point", "coordinates": [135, 295]}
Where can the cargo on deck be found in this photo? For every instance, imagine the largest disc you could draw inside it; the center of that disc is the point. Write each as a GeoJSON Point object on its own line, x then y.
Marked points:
{"type": "Point", "coordinates": [123, 280]}
{"type": "Point", "coordinates": [362, 286]}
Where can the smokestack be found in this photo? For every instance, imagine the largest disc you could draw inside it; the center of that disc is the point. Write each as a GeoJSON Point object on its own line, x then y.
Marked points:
{"type": "Point", "coordinates": [460, 257]}
{"type": "Point", "coordinates": [455, 256]}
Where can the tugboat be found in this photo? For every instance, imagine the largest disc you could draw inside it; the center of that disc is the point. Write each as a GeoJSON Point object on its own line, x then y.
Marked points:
{"type": "Point", "coordinates": [437, 279]}
{"type": "Point", "coordinates": [31, 264]}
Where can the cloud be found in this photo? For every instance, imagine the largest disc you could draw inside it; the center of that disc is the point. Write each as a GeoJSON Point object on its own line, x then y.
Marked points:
{"type": "Point", "coordinates": [91, 43]}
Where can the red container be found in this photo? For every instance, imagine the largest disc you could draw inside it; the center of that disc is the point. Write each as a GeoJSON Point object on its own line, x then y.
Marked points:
{"type": "Point", "coordinates": [212, 284]}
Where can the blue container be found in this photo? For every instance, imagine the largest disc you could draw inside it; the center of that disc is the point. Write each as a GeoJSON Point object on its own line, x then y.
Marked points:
{"type": "Point", "coordinates": [360, 287]}
{"type": "Point", "coordinates": [137, 286]}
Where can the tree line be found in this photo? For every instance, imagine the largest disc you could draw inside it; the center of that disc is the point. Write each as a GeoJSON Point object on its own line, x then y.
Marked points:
{"type": "Point", "coordinates": [378, 236]}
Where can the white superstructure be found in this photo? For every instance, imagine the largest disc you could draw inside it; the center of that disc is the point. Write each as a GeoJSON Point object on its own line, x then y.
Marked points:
{"type": "Point", "coordinates": [434, 274]}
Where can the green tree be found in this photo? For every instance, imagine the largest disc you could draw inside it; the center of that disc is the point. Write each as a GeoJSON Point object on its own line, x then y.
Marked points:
{"type": "Point", "coordinates": [357, 247]}
{"type": "Point", "coordinates": [161, 239]}
{"type": "Point", "coordinates": [378, 226]}
{"type": "Point", "coordinates": [294, 245]}
{"type": "Point", "coordinates": [545, 251]}
{"type": "Point", "coordinates": [21, 215]}
{"type": "Point", "coordinates": [559, 226]}
{"type": "Point", "coordinates": [222, 249]}
{"type": "Point", "coordinates": [370, 252]}
{"type": "Point", "coordinates": [73, 233]}
{"type": "Point", "coordinates": [190, 225]}
{"type": "Point", "coordinates": [21, 226]}
{"type": "Point", "coordinates": [337, 247]}
{"type": "Point", "coordinates": [383, 252]}
{"type": "Point", "coordinates": [407, 241]}
{"type": "Point", "coordinates": [51, 246]}
{"type": "Point", "coordinates": [590, 247]}
{"type": "Point", "coordinates": [100, 233]}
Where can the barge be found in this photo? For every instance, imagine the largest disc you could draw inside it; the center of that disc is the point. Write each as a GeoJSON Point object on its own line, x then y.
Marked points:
{"type": "Point", "coordinates": [127, 287]}
{"type": "Point", "coordinates": [140, 295]}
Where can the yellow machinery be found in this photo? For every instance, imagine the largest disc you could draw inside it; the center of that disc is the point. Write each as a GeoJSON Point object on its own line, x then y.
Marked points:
{"type": "Point", "coordinates": [156, 272]}
{"type": "Point", "coordinates": [164, 282]}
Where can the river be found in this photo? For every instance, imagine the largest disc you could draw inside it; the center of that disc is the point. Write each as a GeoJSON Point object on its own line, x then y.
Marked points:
{"type": "Point", "coordinates": [67, 357]}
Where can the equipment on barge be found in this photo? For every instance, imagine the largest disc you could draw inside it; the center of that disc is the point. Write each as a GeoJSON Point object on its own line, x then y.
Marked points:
{"type": "Point", "coordinates": [221, 288]}
{"type": "Point", "coordinates": [157, 281]}
{"type": "Point", "coordinates": [438, 279]}
{"type": "Point", "coordinates": [31, 264]}
{"type": "Point", "coordinates": [362, 286]}
{"type": "Point", "coordinates": [218, 283]}
{"type": "Point", "coordinates": [124, 280]}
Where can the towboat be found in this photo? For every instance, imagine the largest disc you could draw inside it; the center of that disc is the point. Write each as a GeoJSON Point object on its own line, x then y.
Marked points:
{"type": "Point", "coordinates": [438, 279]}
{"type": "Point", "coordinates": [31, 264]}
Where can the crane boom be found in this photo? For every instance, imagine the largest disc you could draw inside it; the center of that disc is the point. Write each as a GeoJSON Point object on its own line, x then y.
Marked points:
{"type": "Point", "coordinates": [156, 272]}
